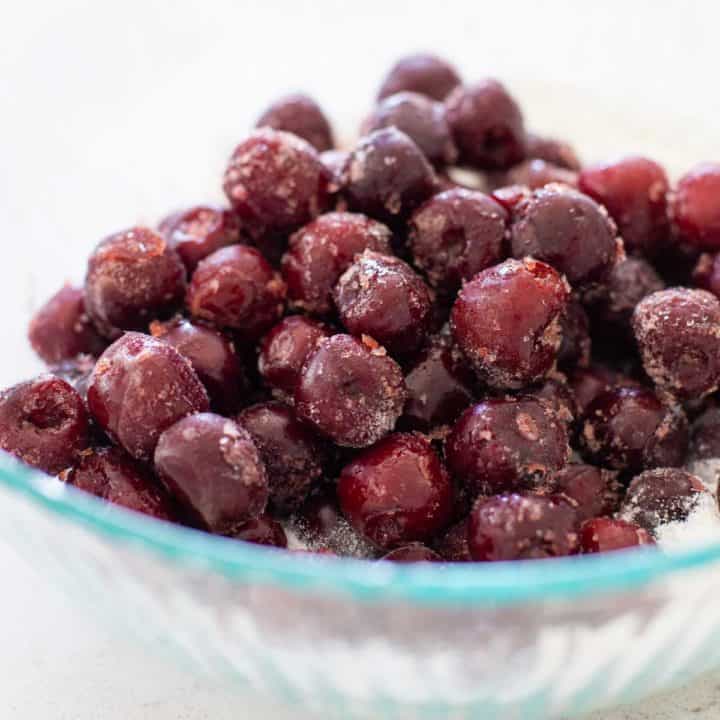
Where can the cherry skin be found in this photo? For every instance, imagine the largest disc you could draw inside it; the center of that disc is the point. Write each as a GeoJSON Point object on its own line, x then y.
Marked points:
{"type": "Point", "coordinates": [521, 527]}
{"type": "Point", "coordinates": [396, 492]}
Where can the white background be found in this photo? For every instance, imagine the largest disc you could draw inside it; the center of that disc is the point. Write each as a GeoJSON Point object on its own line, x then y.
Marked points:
{"type": "Point", "coordinates": [113, 113]}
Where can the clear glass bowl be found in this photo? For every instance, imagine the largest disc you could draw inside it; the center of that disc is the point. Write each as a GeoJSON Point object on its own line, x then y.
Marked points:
{"type": "Point", "coordinates": [526, 640]}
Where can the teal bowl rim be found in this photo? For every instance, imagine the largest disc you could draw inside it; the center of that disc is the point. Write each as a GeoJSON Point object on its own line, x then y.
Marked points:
{"type": "Point", "coordinates": [435, 585]}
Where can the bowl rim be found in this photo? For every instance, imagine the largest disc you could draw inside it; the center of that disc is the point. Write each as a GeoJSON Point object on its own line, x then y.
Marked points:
{"type": "Point", "coordinates": [497, 584]}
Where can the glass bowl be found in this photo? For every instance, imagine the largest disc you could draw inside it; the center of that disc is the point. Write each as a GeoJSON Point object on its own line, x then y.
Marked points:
{"type": "Point", "coordinates": [352, 638]}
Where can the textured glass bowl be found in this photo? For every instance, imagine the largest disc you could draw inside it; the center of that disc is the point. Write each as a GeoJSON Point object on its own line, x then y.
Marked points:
{"type": "Point", "coordinates": [351, 638]}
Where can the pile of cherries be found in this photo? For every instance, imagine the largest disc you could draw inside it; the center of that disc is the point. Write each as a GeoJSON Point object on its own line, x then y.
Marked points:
{"type": "Point", "coordinates": [452, 340]}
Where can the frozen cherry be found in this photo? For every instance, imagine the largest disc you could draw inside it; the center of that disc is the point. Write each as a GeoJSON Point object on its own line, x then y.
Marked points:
{"type": "Point", "coordinates": [633, 189]}
{"type": "Point", "coordinates": [551, 150]}
{"type": "Point", "coordinates": [439, 387]}
{"type": "Point", "coordinates": [504, 444]}
{"type": "Point", "coordinates": [320, 253]}
{"type": "Point", "coordinates": [387, 176]}
{"type": "Point", "coordinates": [292, 453]}
{"type": "Point", "coordinates": [350, 391]}
{"type": "Point", "coordinates": [604, 534]}
{"type": "Point", "coordinates": [487, 125]}
{"type": "Point", "coordinates": [656, 497]}
{"type": "Point", "coordinates": [695, 207]}
{"type": "Point", "coordinates": [678, 335]}
{"type": "Point", "coordinates": [111, 474]}
{"type": "Point", "coordinates": [285, 348]}
{"type": "Point", "coordinates": [575, 348]}
{"type": "Point", "coordinates": [396, 492]}
{"type": "Point", "coordinates": [421, 119]}
{"type": "Point", "coordinates": [705, 435]}
{"type": "Point", "coordinates": [537, 173]}
{"type": "Point", "coordinates": [212, 356]}
{"type": "Point", "coordinates": [706, 273]}
{"type": "Point", "coordinates": [630, 429]}
{"type": "Point", "coordinates": [412, 553]}
{"type": "Point", "coordinates": [43, 422]}
{"type": "Point", "coordinates": [507, 321]}
{"type": "Point", "coordinates": [132, 277]}
{"type": "Point", "coordinates": [300, 115]}
{"type": "Point", "coordinates": [453, 544]}
{"type": "Point", "coordinates": [455, 235]}
{"type": "Point", "coordinates": [276, 182]}
{"type": "Point", "coordinates": [591, 490]}
{"type": "Point", "coordinates": [261, 530]}
{"type": "Point", "coordinates": [211, 465]}
{"type": "Point", "coordinates": [628, 283]}
{"type": "Point", "coordinates": [382, 296]}
{"type": "Point", "coordinates": [199, 231]}
{"type": "Point", "coordinates": [61, 328]}
{"type": "Point", "coordinates": [139, 387]}
{"type": "Point", "coordinates": [568, 230]}
{"type": "Point", "coordinates": [521, 527]}
{"type": "Point", "coordinates": [237, 288]}
{"type": "Point", "coordinates": [421, 73]}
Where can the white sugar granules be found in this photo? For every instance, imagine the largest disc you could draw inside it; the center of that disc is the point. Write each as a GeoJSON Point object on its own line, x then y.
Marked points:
{"type": "Point", "coordinates": [702, 525]}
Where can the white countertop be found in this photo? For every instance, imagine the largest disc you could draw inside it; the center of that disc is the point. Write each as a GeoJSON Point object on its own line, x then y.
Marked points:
{"type": "Point", "coordinates": [114, 113]}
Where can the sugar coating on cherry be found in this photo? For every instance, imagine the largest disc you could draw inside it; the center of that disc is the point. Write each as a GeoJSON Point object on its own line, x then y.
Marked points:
{"type": "Point", "coordinates": [659, 496]}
